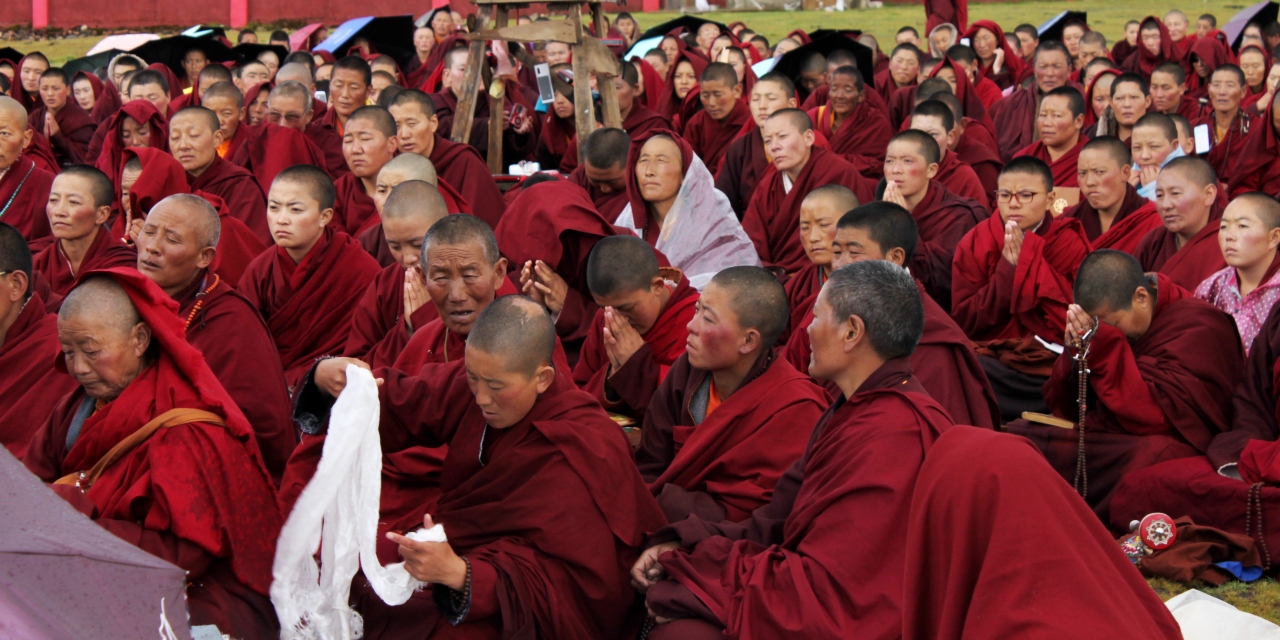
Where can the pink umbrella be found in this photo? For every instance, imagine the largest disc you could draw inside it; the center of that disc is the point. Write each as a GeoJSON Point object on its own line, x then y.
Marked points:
{"type": "Point", "coordinates": [300, 40]}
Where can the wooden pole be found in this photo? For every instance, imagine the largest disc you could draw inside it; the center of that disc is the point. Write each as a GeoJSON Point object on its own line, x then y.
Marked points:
{"type": "Point", "coordinates": [608, 93]}
{"type": "Point", "coordinates": [583, 109]}
{"type": "Point", "coordinates": [471, 85]}
{"type": "Point", "coordinates": [496, 119]}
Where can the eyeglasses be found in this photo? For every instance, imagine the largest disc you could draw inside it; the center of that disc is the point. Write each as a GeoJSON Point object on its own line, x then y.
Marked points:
{"type": "Point", "coordinates": [1022, 197]}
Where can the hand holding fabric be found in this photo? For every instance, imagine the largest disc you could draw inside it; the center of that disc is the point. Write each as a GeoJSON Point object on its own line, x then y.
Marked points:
{"type": "Point", "coordinates": [331, 374]}
{"type": "Point", "coordinates": [646, 571]}
{"type": "Point", "coordinates": [431, 562]}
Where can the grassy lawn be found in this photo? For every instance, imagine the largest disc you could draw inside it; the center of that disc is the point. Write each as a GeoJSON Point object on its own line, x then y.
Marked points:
{"type": "Point", "coordinates": [1262, 598]}
{"type": "Point", "coordinates": [1104, 16]}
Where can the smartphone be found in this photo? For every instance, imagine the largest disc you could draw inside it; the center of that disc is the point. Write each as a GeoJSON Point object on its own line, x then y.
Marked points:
{"type": "Point", "coordinates": [1204, 142]}
{"type": "Point", "coordinates": [322, 96]}
{"type": "Point", "coordinates": [545, 91]}
{"type": "Point", "coordinates": [965, 42]}
{"type": "Point", "coordinates": [518, 114]}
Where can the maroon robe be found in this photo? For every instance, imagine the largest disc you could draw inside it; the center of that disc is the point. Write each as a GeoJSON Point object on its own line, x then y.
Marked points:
{"type": "Point", "coordinates": [462, 167]}
{"type": "Point", "coordinates": [111, 160]}
{"type": "Point", "coordinates": [802, 292]}
{"type": "Point", "coordinates": [1187, 267]}
{"type": "Point", "coordinates": [24, 194]}
{"type": "Point", "coordinates": [862, 138]}
{"type": "Point", "coordinates": [886, 86]}
{"type": "Point", "coordinates": [1226, 156]}
{"type": "Point", "coordinates": [629, 389]}
{"type": "Point", "coordinates": [240, 190]}
{"type": "Point", "coordinates": [308, 305]}
{"type": "Point", "coordinates": [942, 218]}
{"type": "Point", "coordinates": [272, 148]}
{"type": "Point", "coordinates": [745, 161]}
{"type": "Point", "coordinates": [1065, 169]}
{"type": "Point", "coordinates": [554, 222]}
{"type": "Point", "coordinates": [1136, 218]}
{"type": "Point", "coordinates": [1015, 120]}
{"type": "Point", "coordinates": [776, 574]}
{"type": "Point", "coordinates": [41, 152]}
{"type": "Point", "coordinates": [978, 149]}
{"type": "Point", "coordinates": [106, 252]}
{"type": "Point", "coordinates": [378, 331]}
{"type": "Point", "coordinates": [75, 131]}
{"type": "Point", "coordinates": [1258, 168]}
{"type": "Point", "coordinates": [107, 98]}
{"type": "Point", "coordinates": [326, 132]}
{"type": "Point", "coordinates": [1144, 63]}
{"type": "Point", "coordinates": [237, 140]}
{"type": "Point", "coordinates": [515, 146]}
{"type": "Point", "coordinates": [610, 205]}
{"type": "Point", "coordinates": [637, 124]}
{"type": "Point", "coordinates": [1163, 397]}
{"type": "Point", "coordinates": [709, 137]}
{"type": "Point", "coordinates": [724, 466]}
{"type": "Point", "coordinates": [960, 179]}
{"type": "Point", "coordinates": [772, 220]}
{"type": "Point", "coordinates": [353, 210]}
{"type": "Point", "coordinates": [196, 495]}
{"type": "Point", "coordinates": [239, 350]}
{"type": "Point", "coordinates": [965, 564]}
{"type": "Point", "coordinates": [29, 383]}
{"type": "Point", "coordinates": [554, 140]}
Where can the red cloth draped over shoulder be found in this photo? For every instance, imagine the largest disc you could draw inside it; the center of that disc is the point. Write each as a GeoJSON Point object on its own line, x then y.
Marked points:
{"type": "Point", "coordinates": [24, 194]}
{"type": "Point", "coordinates": [709, 137]}
{"type": "Point", "coordinates": [1189, 265]}
{"type": "Point", "coordinates": [1065, 169]}
{"type": "Point", "coordinates": [189, 494]}
{"type": "Point", "coordinates": [108, 100]}
{"type": "Point", "coordinates": [1014, 65]}
{"type": "Point", "coordinates": [1091, 118]}
{"type": "Point", "coordinates": [1226, 155]}
{"type": "Point", "coordinates": [942, 219]}
{"type": "Point", "coordinates": [244, 196]}
{"type": "Point", "coordinates": [1258, 168]}
{"type": "Point", "coordinates": [745, 161]}
{"type": "Point", "coordinates": [461, 166]}
{"type": "Point", "coordinates": [30, 384]}
{"type": "Point", "coordinates": [436, 58]}
{"type": "Point", "coordinates": [1143, 62]}
{"type": "Point", "coordinates": [654, 85]}
{"type": "Point", "coordinates": [960, 179]}
{"type": "Point", "coordinates": [885, 86]}
{"type": "Point", "coordinates": [175, 84]}
{"type": "Point", "coordinates": [30, 102]}
{"type": "Point", "coordinates": [995, 300]}
{"type": "Point", "coordinates": [964, 561]}
{"type": "Point", "coordinates": [940, 12]}
{"type": "Point", "coordinates": [971, 101]}
{"type": "Point", "coordinates": [802, 292]}
{"type": "Point", "coordinates": [727, 465]}
{"type": "Point", "coordinates": [271, 148]}
{"type": "Point", "coordinates": [862, 138]}
{"type": "Point", "coordinates": [772, 219]}
{"type": "Point", "coordinates": [111, 160]}
{"type": "Point", "coordinates": [1213, 52]}
{"type": "Point", "coordinates": [75, 131]}
{"type": "Point", "coordinates": [354, 210]}
{"type": "Point", "coordinates": [556, 223]}
{"type": "Point", "coordinates": [633, 384]}
{"type": "Point", "coordinates": [1137, 217]}
{"type": "Point", "coordinates": [554, 140]}
{"type": "Point", "coordinates": [378, 331]}
{"type": "Point", "coordinates": [610, 205]}
{"type": "Point", "coordinates": [978, 149]}
{"type": "Point", "coordinates": [1014, 119]}
{"type": "Point", "coordinates": [41, 153]}
{"type": "Point", "coordinates": [1257, 412]}
{"type": "Point", "coordinates": [860, 466]}
{"type": "Point", "coordinates": [308, 305]}
{"type": "Point", "coordinates": [671, 104]}
{"type": "Point", "coordinates": [325, 132]}
{"type": "Point", "coordinates": [243, 130]}
{"type": "Point", "coordinates": [237, 245]}
{"type": "Point", "coordinates": [106, 252]}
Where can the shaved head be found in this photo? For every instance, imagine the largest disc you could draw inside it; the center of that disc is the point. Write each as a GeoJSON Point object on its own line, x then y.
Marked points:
{"type": "Point", "coordinates": [102, 301]}
{"type": "Point", "coordinates": [1193, 168]}
{"type": "Point", "coordinates": [313, 179]}
{"type": "Point", "coordinates": [378, 117]}
{"type": "Point", "coordinates": [208, 225]}
{"type": "Point", "coordinates": [1262, 205]}
{"type": "Point", "coordinates": [1107, 280]}
{"type": "Point", "coordinates": [14, 109]}
{"type": "Point", "coordinates": [1113, 147]}
{"type": "Point", "coordinates": [462, 229]}
{"type": "Point", "coordinates": [758, 300]}
{"type": "Point", "coordinates": [15, 255]}
{"type": "Point", "coordinates": [412, 166]}
{"type": "Point", "coordinates": [415, 198]}
{"type": "Point", "coordinates": [838, 196]}
{"type": "Point", "coordinates": [201, 114]}
{"type": "Point", "coordinates": [296, 72]}
{"type": "Point", "coordinates": [799, 119]}
{"type": "Point", "coordinates": [224, 90]}
{"type": "Point", "coordinates": [518, 330]}
{"type": "Point", "coordinates": [293, 90]}
{"type": "Point", "coordinates": [620, 265]}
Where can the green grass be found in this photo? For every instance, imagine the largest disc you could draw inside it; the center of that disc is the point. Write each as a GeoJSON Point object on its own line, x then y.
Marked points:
{"type": "Point", "coordinates": [1107, 17]}
{"type": "Point", "coordinates": [1261, 598]}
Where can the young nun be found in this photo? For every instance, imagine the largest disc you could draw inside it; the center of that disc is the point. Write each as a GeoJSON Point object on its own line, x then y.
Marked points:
{"type": "Point", "coordinates": [1186, 247]}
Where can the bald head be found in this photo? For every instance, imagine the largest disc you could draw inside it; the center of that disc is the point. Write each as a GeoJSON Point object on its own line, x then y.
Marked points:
{"type": "Point", "coordinates": [411, 166]}
{"type": "Point", "coordinates": [462, 229]}
{"type": "Point", "coordinates": [1265, 207]}
{"type": "Point", "coordinates": [517, 330]}
{"type": "Point", "coordinates": [100, 304]}
{"type": "Point", "coordinates": [377, 117]}
{"type": "Point", "coordinates": [757, 299]}
{"type": "Point", "coordinates": [1193, 169]}
{"type": "Point", "coordinates": [620, 265]}
{"type": "Point", "coordinates": [797, 118]}
{"type": "Point", "coordinates": [292, 90]}
{"type": "Point", "coordinates": [205, 222]}
{"type": "Point", "coordinates": [15, 255]}
{"type": "Point", "coordinates": [10, 108]}
{"type": "Point", "coordinates": [198, 114]}
{"type": "Point", "coordinates": [836, 196]}
{"type": "Point", "coordinates": [295, 72]}
{"type": "Point", "coordinates": [1107, 280]}
{"type": "Point", "coordinates": [415, 198]}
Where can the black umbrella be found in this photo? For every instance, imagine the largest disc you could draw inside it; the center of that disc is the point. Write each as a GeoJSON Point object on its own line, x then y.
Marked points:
{"type": "Point", "coordinates": [852, 34]}
{"type": "Point", "coordinates": [171, 50]}
{"type": "Point", "coordinates": [691, 25]}
{"type": "Point", "coordinates": [11, 54]}
{"type": "Point", "coordinates": [91, 63]}
{"type": "Point", "coordinates": [248, 51]}
{"type": "Point", "coordinates": [1262, 13]}
{"type": "Point", "coordinates": [392, 35]}
{"type": "Point", "coordinates": [792, 61]}
{"type": "Point", "coordinates": [1052, 30]}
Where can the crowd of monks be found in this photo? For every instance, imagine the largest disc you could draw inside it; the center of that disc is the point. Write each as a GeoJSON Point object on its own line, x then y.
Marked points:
{"type": "Point", "coordinates": [783, 356]}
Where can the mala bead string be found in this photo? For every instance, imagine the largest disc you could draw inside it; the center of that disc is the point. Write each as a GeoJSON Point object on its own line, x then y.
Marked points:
{"type": "Point", "coordinates": [1081, 345]}
{"type": "Point", "coordinates": [1255, 503]}
{"type": "Point", "coordinates": [200, 297]}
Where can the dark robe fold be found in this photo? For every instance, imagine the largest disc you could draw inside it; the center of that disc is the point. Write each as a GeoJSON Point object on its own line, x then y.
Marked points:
{"type": "Point", "coordinates": [637, 124]}
{"type": "Point", "coordinates": [111, 160]}
{"type": "Point", "coordinates": [723, 465]}
{"type": "Point", "coordinates": [1014, 118]}
{"type": "Point", "coordinates": [1258, 168]}
{"type": "Point", "coordinates": [24, 195]}
{"type": "Point", "coordinates": [239, 350]}
{"type": "Point", "coordinates": [745, 161]}
{"type": "Point", "coordinates": [610, 205]}
{"type": "Point", "coordinates": [554, 140]}
{"type": "Point", "coordinates": [1065, 169]}
{"type": "Point", "coordinates": [107, 100]}
{"type": "Point", "coordinates": [354, 211]}
{"type": "Point", "coordinates": [196, 495]}
{"type": "Point", "coordinates": [272, 148]}
{"type": "Point", "coordinates": [862, 138]}
{"type": "Point", "coordinates": [232, 146]}
{"type": "Point", "coordinates": [515, 146]}
{"type": "Point", "coordinates": [710, 137]}
{"type": "Point", "coordinates": [1189, 265]}
{"type": "Point", "coordinates": [1228, 153]}
{"type": "Point", "coordinates": [378, 331]}
{"type": "Point", "coordinates": [978, 149]}
{"type": "Point", "coordinates": [772, 220]}
{"type": "Point", "coordinates": [240, 190]}
{"type": "Point", "coordinates": [802, 292]}
{"type": "Point", "coordinates": [960, 179]}
{"type": "Point", "coordinates": [106, 252]}
{"type": "Point", "coordinates": [326, 132]}
{"type": "Point", "coordinates": [41, 152]}
{"type": "Point", "coordinates": [463, 168]}
{"type": "Point", "coordinates": [75, 131]}
{"type": "Point", "coordinates": [374, 239]}
{"type": "Point", "coordinates": [967, 566]}
{"type": "Point", "coordinates": [630, 388]}
{"type": "Point", "coordinates": [942, 218]}
{"type": "Point", "coordinates": [308, 305]}
{"type": "Point", "coordinates": [825, 557]}
{"type": "Point", "coordinates": [1136, 218]}
{"type": "Point", "coordinates": [1160, 398]}
{"type": "Point", "coordinates": [885, 85]}
{"type": "Point", "coordinates": [29, 383]}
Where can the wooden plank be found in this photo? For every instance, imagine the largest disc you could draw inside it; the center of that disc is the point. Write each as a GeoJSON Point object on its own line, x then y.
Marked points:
{"type": "Point", "coordinates": [584, 117]}
{"type": "Point", "coordinates": [549, 31]}
{"type": "Point", "coordinates": [605, 65]}
{"type": "Point", "coordinates": [466, 113]}
{"type": "Point", "coordinates": [495, 107]}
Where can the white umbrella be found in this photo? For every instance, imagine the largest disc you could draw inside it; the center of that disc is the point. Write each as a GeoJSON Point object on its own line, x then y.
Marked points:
{"type": "Point", "coordinates": [123, 42]}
